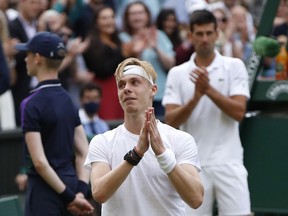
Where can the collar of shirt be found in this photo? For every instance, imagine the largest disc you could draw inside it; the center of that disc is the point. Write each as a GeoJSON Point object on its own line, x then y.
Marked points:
{"type": "Point", "coordinates": [29, 27]}
{"type": "Point", "coordinates": [47, 84]}
{"type": "Point", "coordinates": [216, 63]}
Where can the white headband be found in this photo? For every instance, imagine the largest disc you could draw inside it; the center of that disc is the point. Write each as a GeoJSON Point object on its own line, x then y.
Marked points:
{"type": "Point", "coordinates": [137, 70]}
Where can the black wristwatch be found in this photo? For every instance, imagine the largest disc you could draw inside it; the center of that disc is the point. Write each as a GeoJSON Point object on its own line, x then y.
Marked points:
{"type": "Point", "coordinates": [132, 157]}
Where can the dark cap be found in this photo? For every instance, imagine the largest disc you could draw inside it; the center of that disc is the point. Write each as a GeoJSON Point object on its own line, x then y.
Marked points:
{"type": "Point", "coordinates": [47, 44]}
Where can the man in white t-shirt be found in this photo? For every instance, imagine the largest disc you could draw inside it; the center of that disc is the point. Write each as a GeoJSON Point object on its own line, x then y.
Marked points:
{"type": "Point", "coordinates": [143, 167]}
{"type": "Point", "coordinates": [206, 97]}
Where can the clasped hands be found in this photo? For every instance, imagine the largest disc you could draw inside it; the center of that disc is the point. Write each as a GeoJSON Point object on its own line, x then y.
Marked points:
{"type": "Point", "coordinates": [149, 135]}
{"type": "Point", "coordinates": [80, 206]}
{"type": "Point", "coordinates": [199, 76]}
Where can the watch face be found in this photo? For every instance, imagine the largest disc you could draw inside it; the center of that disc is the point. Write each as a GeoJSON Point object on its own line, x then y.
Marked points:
{"type": "Point", "coordinates": [131, 158]}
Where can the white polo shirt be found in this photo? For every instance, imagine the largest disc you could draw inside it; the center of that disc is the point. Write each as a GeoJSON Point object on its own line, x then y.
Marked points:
{"type": "Point", "coordinates": [216, 134]}
{"type": "Point", "coordinates": [147, 191]}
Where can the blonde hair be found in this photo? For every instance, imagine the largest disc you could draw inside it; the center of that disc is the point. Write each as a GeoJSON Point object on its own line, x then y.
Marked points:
{"type": "Point", "coordinates": [53, 63]}
{"type": "Point", "coordinates": [134, 61]}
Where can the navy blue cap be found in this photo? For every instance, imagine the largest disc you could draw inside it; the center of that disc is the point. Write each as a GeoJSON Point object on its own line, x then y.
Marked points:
{"type": "Point", "coordinates": [47, 44]}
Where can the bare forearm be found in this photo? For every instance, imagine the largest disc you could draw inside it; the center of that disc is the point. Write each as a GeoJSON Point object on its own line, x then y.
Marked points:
{"type": "Point", "coordinates": [179, 115]}
{"type": "Point", "coordinates": [166, 60]}
{"type": "Point", "coordinates": [234, 108]}
{"type": "Point", "coordinates": [82, 173]}
{"type": "Point", "coordinates": [40, 162]}
{"type": "Point", "coordinates": [68, 60]}
{"type": "Point", "coordinates": [51, 178]}
{"type": "Point", "coordinates": [81, 150]}
{"type": "Point", "coordinates": [104, 187]}
{"type": "Point", "coordinates": [188, 186]}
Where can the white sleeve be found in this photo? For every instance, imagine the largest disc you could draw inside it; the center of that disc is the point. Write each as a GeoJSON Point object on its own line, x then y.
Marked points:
{"type": "Point", "coordinates": [239, 82]}
{"type": "Point", "coordinates": [172, 89]}
{"type": "Point", "coordinates": [187, 151]}
{"type": "Point", "coordinates": [97, 151]}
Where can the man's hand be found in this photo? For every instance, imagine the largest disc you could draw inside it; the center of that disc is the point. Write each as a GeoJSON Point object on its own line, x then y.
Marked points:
{"type": "Point", "coordinates": [143, 142]}
{"type": "Point", "coordinates": [21, 181]}
{"type": "Point", "coordinates": [200, 77]}
{"type": "Point", "coordinates": [155, 138]}
{"type": "Point", "coordinates": [77, 46]}
{"type": "Point", "coordinates": [80, 206]}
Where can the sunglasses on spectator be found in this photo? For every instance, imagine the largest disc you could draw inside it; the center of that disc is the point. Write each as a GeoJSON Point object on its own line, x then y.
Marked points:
{"type": "Point", "coordinates": [222, 19]}
{"type": "Point", "coordinates": [64, 34]}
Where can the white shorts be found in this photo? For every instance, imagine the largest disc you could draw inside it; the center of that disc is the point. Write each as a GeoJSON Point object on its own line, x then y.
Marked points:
{"type": "Point", "coordinates": [229, 186]}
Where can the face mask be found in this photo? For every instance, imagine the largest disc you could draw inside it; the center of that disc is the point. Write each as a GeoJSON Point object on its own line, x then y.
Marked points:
{"type": "Point", "coordinates": [91, 108]}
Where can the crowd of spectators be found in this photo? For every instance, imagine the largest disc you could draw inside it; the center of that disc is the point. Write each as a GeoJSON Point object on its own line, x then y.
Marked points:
{"type": "Point", "coordinates": [101, 33]}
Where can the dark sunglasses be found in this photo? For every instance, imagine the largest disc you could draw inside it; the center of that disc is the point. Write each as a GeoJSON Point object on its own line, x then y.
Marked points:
{"type": "Point", "coordinates": [223, 19]}
{"type": "Point", "coordinates": [65, 35]}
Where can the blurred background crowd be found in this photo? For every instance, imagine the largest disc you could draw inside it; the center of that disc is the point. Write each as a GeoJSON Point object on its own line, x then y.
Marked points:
{"type": "Point", "coordinates": [99, 34]}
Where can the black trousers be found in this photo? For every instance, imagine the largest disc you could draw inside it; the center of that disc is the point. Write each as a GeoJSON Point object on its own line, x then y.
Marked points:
{"type": "Point", "coordinates": [41, 199]}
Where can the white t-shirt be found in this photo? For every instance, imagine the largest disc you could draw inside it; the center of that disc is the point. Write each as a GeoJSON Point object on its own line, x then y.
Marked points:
{"type": "Point", "coordinates": [147, 189]}
{"type": "Point", "coordinates": [216, 134]}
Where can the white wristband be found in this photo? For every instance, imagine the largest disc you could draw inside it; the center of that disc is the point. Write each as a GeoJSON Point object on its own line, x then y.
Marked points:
{"type": "Point", "coordinates": [167, 160]}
